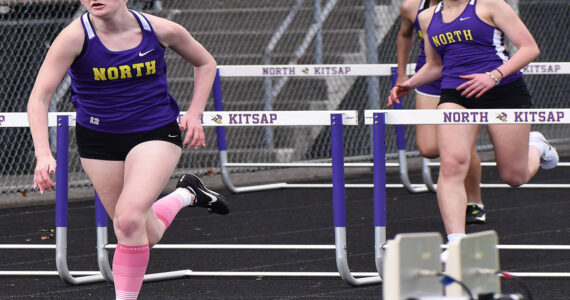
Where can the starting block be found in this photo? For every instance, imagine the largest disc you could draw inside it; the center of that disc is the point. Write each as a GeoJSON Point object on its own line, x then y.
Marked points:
{"type": "Point", "coordinates": [474, 260]}
{"type": "Point", "coordinates": [409, 258]}
{"type": "Point", "coordinates": [413, 269]}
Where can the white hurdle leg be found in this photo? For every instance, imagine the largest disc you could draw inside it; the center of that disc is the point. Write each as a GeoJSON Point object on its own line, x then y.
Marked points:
{"type": "Point", "coordinates": [426, 174]}
{"type": "Point", "coordinates": [404, 177]}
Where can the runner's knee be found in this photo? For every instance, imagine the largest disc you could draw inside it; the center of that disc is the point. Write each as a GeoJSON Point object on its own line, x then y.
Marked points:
{"type": "Point", "coordinates": [454, 168]}
{"type": "Point", "coordinates": [128, 224]}
{"type": "Point", "coordinates": [513, 178]}
{"type": "Point", "coordinates": [427, 150]}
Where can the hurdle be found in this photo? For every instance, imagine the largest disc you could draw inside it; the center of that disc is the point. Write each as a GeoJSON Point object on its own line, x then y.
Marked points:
{"type": "Point", "coordinates": [303, 71]}
{"type": "Point", "coordinates": [341, 70]}
{"type": "Point", "coordinates": [380, 118]}
{"type": "Point", "coordinates": [63, 121]}
{"type": "Point", "coordinates": [293, 71]}
{"type": "Point", "coordinates": [537, 68]}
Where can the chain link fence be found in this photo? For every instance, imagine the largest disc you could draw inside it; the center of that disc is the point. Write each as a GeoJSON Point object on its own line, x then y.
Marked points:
{"type": "Point", "coordinates": [257, 32]}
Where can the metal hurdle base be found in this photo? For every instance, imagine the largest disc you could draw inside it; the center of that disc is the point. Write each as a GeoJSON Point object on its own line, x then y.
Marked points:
{"type": "Point", "coordinates": [336, 122]}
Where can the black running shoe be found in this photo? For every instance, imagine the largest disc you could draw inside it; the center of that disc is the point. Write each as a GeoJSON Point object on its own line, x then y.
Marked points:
{"type": "Point", "coordinates": [475, 215]}
{"type": "Point", "coordinates": [214, 202]}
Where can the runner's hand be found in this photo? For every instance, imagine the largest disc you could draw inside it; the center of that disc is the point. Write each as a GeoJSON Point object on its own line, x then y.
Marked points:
{"type": "Point", "coordinates": [45, 166]}
{"type": "Point", "coordinates": [399, 90]}
{"type": "Point", "coordinates": [476, 85]}
{"type": "Point", "coordinates": [195, 136]}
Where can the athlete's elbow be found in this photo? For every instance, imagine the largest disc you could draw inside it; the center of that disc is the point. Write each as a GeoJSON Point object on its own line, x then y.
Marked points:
{"type": "Point", "coordinates": [532, 50]}
{"type": "Point", "coordinates": [439, 68]}
{"type": "Point", "coordinates": [39, 99]}
{"type": "Point", "coordinates": [436, 69]}
{"type": "Point", "coordinates": [405, 35]}
{"type": "Point", "coordinates": [535, 52]}
{"type": "Point", "coordinates": [211, 62]}
{"type": "Point", "coordinates": [208, 65]}
{"type": "Point", "coordinates": [213, 65]}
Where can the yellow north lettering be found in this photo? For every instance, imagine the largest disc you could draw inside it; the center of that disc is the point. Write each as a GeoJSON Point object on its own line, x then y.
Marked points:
{"type": "Point", "coordinates": [125, 72]}
{"type": "Point", "coordinates": [435, 41]}
{"type": "Point", "coordinates": [138, 67]}
{"type": "Point", "coordinates": [99, 73]}
{"type": "Point", "coordinates": [467, 35]}
{"type": "Point", "coordinates": [442, 39]}
{"type": "Point", "coordinates": [450, 37]}
{"type": "Point", "coordinates": [457, 34]}
{"type": "Point", "coordinates": [113, 73]}
{"type": "Point", "coordinates": [150, 67]}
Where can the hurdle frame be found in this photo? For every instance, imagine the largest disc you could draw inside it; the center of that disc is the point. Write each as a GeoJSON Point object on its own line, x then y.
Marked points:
{"type": "Point", "coordinates": [380, 118]}
{"type": "Point", "coordinates": [531, 69]}
{"type": "Point", "coordinates": [535, 68]}
{"type": "Point", "coordinates": [300, 71]}
{"type": "Point", "coordinates": [63, 121]}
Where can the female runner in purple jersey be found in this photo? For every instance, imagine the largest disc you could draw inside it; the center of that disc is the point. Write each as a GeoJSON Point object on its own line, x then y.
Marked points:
{"type": "Point", "coordinates": [127, 135]}
{"type": "Point", "coordinates": [464, 45]}
{"type": "Point", "coordinates": [427, 97]}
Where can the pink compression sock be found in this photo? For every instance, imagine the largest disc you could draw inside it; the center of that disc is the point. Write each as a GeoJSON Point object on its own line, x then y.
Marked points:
{"type": "Point", "coordinates": [129, 266]}
{"type": "Point", "coordinates": [167, 207]}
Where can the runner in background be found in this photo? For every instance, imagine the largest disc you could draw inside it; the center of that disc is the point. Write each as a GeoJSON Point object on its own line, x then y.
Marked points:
{"type": "Point", "coordinates": [465, 45]}
{"type": "Point", "coordinates": [427, 97]}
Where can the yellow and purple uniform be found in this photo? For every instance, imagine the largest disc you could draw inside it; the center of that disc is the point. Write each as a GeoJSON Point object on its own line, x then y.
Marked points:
{"type": "Point", "coordinates": [122, 91]}
{"type": "Point", "coordinates": [467, 45]}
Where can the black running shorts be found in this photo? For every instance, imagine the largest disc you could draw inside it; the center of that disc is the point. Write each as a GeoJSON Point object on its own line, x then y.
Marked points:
{"type": "Point", "coordinates": [110, 146]}
{"type": "Point", "coordinates": [510, 95]}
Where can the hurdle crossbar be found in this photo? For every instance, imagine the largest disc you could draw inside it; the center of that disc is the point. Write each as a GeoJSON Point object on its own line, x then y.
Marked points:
{"type": "Point", "coordinates": [380, 118]}
{"type": "Point", "coordinates": [471, 116]}
{"type": "Point", "coordinates": [337, 70]}
{"type": "Point", "coordinates": [492, 116]}
{"type": "Point", "coordinates": [532, 69]}
{"type": "Point", "coordinates": [335, 119]}
{"type": "Point", "coordinates": [341, 70]}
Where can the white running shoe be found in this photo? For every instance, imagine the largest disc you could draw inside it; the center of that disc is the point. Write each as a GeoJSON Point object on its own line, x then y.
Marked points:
{"type": "Point", "coordinates": [549, 158]}
{"type": "Point", "coordinates": [443, 256]}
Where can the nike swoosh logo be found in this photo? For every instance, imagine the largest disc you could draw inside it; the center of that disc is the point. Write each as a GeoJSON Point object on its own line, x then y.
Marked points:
{"type": "Point", "coordinates": [145, 53]}
{"type": "Point", "coordinates": [460, 19]}
{"type": "Point", "coordinates": [173, 136]}
{"type": "Point", "coordinates": [211, 195]}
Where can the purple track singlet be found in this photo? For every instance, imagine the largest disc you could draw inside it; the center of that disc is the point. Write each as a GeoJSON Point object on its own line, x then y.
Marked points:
{"type": "Point", "coordinates": [121, 91]}
{"type": "Point", "coordinates": [467, 45]}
